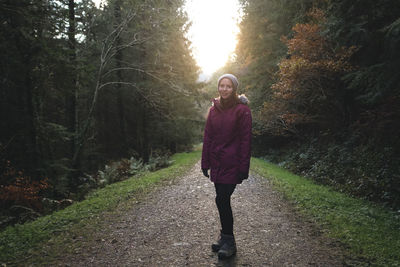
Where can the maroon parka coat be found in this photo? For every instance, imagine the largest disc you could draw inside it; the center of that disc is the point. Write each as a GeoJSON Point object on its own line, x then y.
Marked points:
{"type": "Point", "coordinates": [227, 142]}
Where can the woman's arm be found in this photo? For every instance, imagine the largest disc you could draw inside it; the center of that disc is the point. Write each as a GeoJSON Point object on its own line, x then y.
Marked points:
{"type": "Point", "coordinates": [205, 157]}
{"type": "Point", "coordinates": [245, 126]}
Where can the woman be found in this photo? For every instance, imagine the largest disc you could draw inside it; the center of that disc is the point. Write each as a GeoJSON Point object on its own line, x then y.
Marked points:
{"type": "Point", "coordinates": [226, 152]}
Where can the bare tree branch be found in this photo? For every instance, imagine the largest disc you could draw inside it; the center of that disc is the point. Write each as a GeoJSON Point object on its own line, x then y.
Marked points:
{"type": "Point", "coordinates": [109, 50]}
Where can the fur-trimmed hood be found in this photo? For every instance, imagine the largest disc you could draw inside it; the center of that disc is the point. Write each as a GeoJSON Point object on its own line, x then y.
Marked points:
{"type": "Point", "coordinates": [242, 100]}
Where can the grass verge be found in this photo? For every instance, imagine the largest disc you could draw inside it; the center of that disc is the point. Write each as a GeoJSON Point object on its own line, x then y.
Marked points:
{"type": "Point", "coordinates": [18, 243]}
{"type": "Point", "coordinates": [368, 230]}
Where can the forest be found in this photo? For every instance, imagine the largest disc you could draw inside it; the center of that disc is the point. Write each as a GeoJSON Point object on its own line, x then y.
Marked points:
{"type": "Point", "coordinates": [322, 78]}
{"type": "Point", "coordinates": [91, 95]}
{"type": "Point", "coordinates": [82, 87]}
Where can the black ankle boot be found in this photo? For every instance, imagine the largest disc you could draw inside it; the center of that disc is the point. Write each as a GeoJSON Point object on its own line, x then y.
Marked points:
{"type": "Point", "coordinates": [216, 246]}
{"type": "Point", "coordinates": [228, 247]}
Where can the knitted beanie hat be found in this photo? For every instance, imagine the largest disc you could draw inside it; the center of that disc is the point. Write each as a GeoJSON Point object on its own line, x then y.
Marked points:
{"type": "Point", "coordinates": [230, 77]}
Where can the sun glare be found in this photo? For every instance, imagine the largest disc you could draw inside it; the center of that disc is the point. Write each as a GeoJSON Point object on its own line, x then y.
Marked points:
{"type": "Point", "coordinates": [213, 32]}
{"type": "Point", "coordinates": [98, 2]}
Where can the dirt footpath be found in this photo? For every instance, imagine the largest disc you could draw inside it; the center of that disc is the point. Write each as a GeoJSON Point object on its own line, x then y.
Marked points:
{"type": "Point", "coordinates": [175, 226]}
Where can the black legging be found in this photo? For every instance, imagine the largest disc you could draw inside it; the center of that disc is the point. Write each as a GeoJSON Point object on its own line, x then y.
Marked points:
{"type": "Point", "coordinates": [223, 200]}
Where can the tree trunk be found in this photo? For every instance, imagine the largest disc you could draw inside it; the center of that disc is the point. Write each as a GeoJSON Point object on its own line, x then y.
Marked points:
{"type": "Point", "coordinates": [72, 91]}
{"type": "Point", "coordinates": [145, 139]}
{"type": "Point", "coordinates": [118, 62]}
{"type": "Point", "coordinates": [32, 144]}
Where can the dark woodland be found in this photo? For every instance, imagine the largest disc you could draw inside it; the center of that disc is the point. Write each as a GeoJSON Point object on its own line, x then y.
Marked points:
{"type": "Point", "coordinates": [82, 86]}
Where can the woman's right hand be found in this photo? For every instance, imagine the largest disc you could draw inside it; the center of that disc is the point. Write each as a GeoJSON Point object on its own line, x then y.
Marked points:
{"type": "Point", "coordinates": [205, 172]}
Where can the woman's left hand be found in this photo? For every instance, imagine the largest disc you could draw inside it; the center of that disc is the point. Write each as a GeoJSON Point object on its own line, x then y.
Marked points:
{"type": "Point", "coordinates": [242, 176]}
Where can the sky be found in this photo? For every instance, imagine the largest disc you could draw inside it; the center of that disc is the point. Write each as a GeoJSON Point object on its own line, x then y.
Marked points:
{"type": "Point", "coordinates": [213, 32]}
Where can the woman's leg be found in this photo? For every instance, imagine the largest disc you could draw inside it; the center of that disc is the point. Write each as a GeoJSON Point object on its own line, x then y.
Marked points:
{"type": "Point", "coordinates": [223, 201]}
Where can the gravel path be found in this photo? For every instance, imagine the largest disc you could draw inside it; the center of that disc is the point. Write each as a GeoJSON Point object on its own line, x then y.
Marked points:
{"type": "Point", "coordinates": [176, 224]}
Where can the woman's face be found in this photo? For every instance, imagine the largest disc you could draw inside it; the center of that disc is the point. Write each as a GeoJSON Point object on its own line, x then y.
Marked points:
{"type": "Point", "coordinates": [225, 88]}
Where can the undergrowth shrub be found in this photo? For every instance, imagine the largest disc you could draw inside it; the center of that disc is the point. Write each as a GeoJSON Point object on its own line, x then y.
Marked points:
{"type": "Point", "coordinates": [122, 169]}
{"type": "Point", "coordinates": [23, 192]}
{"type": "Point", "coordinates": [20, 195]}
{"type": "Point", "coordinates": [23, 199]}
{"type": "Point", "coordinates": [158, 161]}
{"type": "Point", "coordinates": [366, 170]}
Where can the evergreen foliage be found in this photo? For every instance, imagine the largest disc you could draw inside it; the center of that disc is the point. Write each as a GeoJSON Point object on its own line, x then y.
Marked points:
{"type": "Point", "coordinates": [327, 104]}
{"type": "Point", "coordinates": [82, 85]}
